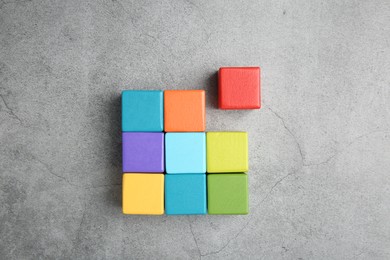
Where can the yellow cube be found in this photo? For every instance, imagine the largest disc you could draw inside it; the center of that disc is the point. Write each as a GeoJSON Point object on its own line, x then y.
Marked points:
{"type": "Point", "coordinates": [227, 152]}
{"type": "Point", "coordinates": [143, 193]}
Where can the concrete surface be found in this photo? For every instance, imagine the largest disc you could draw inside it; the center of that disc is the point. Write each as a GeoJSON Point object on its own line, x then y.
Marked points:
{"type": "Point", "coordinates": [319, 147]}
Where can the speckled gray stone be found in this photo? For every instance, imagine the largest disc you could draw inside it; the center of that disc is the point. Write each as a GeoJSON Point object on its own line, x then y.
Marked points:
{"type": "Point", "coordinates": [319, 147]}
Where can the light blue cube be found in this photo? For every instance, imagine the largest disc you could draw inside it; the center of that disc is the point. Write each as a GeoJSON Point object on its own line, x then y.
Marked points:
{"type": "Point", "coordinates": [142, 111]}
{"type": "Point", "coordinates": [185, 194]}
{"type": "Point", "coordinates": [185, 153]}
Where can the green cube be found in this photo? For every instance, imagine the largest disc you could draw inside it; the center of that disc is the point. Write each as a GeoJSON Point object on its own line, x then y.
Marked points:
{"type": "Point", "coordinates": [227, 193]}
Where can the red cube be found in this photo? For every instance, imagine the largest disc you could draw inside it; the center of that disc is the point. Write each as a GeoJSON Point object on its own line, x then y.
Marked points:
{"type": "Point", "coordinates": [239, 88]}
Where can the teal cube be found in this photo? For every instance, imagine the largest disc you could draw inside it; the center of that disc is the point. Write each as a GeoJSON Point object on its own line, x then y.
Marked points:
{"type": "Point", "coordinates": [185, 153]}
{"type": "Point", "coordinates": [185, 194]}
{"type": "Point", "coordinates": [142, 111]}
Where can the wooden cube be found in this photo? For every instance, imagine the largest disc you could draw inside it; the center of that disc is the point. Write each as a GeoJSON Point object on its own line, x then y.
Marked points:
{"type": "Point", "coordinates": [184, 111]}
{"type": "Point", "coordinates": [185, 153]}
{"type": "Point", "coordinates": [227, 152]}
{"type": "Point", "coordinates": [185, 194]}
{"type": "Point", "coordinates": [227, 193]}
{"type": "Point", "coordinates": [239, 88]}
{"type": "Point", "coordinates": [142, 152]}
{"type": "Point", "coordinates": [143, 194]}
{"type": "Point", "coordinates": [142, 111]}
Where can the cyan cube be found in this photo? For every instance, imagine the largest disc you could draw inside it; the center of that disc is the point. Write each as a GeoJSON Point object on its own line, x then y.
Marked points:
{"type": "Point", "coordinates": [185, 194]}
{"type": "Point", "coordinates": [185, 153]}
{"type": "Point", "coordinates": [142, 111]}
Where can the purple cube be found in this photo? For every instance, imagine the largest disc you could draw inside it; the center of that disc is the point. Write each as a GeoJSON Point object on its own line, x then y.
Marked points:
{"type": "Point", "coordinates": [143, 152]}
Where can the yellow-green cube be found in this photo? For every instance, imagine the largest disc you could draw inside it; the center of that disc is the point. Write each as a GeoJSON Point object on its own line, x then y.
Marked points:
{"type": "Point", "coordinates": [227, 152]}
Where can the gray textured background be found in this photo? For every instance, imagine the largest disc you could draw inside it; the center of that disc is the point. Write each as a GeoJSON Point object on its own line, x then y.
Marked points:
{"type": "Point", "coordinates": [319, 147]}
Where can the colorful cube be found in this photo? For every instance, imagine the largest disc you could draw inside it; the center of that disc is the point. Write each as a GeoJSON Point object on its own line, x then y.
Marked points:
{"type": "Point", "coordinates": [227, 193]}
{"type": "Point", "coordinates": [184, 111]}
{"type": "Point", "coordinates": [143, 152]}
{"type": "Point", "coordinates": [227, 152]}
{"type": "Point", "coordinates": [142, 111]}
{"type": "Point", "coordinates": [143, 194]}
{"type": "Point", "coordinates": [185, 194]}
{"type": "Point", "coordinates": [185, 153]}
{"type": "Point", "coordinates": [239, 88]}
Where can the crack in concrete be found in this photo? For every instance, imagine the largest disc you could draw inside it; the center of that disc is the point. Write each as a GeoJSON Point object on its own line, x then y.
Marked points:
{"type": "Point", "coordinates": [276, 184]}
{"type": "Point", "coordinates": [102, 186]}
{"type": "Point", "coordinates": [195, 240]}
{"type": "Point", "coordinates": [228, 243]}
{"type": "Point", "coordinates": [290, 133]}
{"type": "Point", "coordinates": [9, 110]}
{"type": "Point", "coordinates": [50, 170]}
{"type": "Point", "coordinates": [197, 9]}
{"type": "Point", "coordinates": [77, 239]}
{"type": "Point", "coordinates": [248, 222]}
{"type": "Point", "coordinates": [346, 147]}
{"type": "Point", "coordinates": [304, 164]}
{"type": "Point", "coordinates": [4, 3]}
{"type": "Point", "coordinates": [358, 254]}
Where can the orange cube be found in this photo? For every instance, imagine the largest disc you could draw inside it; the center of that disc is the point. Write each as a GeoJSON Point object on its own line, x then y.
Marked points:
{"type": "Point", "coordinates": [184, 111]}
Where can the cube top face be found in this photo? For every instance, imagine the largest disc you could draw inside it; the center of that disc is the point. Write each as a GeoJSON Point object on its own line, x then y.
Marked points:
{"type": "Point", "coordinates": [227, 193]}
{"type": "Point", "coordinates": [185, 194]}
{"type": "Point", "coordinates": [143, 194]}
{"type": "Point", "coordinates": [143, 152]}
{"type": "Point", "coordinates": [142, 111]}
{"type": "Point", "coordinates": [185, 153]}
{"type": "Point", "coordinates": [239, 88]}
{"type": "Point", "coordinates": [227, 152]}
{"type": "Point", "coordinates": [184, 111]}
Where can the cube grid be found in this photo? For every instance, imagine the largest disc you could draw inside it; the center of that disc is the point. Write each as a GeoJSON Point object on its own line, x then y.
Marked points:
{"type": "Point", "coordinates": [166, 152]}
